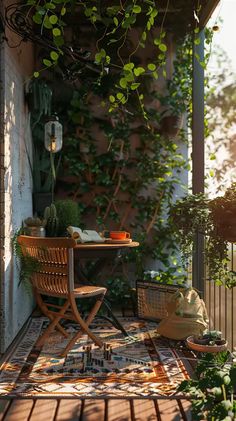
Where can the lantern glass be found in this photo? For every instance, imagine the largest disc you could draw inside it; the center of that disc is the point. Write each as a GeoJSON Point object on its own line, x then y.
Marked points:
{"type": "Point", "coordinates": [53, 135]}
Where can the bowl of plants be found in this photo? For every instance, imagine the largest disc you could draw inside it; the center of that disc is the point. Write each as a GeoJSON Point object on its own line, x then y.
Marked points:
{"type": "Point", "coordinates": [209, 341]}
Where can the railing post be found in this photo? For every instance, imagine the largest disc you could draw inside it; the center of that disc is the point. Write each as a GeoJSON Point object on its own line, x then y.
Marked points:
{"type": "Point", "coordinates": [198, 158]}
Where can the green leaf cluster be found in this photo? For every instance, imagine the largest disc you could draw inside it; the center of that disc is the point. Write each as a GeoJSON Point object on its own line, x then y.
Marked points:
{"type": "Point", "coordinates": [212, 393]}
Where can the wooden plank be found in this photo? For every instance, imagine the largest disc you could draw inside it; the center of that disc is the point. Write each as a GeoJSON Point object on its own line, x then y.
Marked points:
{"type": "Point", "coordinates": [4, 405]}
{"type": "Point", "coordinates": [44, 409]}
{"type": "Point", "coordinates": [68, 409]}
{"type": "Point", "coordinates": [118, 410]}
{"type": "Point", "coordinates": [93, 410]}
{"type": "Point", "coordinates": [144, 409]}
{"type": "Point", "coordinates": [19, 410]}
{"type": "Point", "coordinates": [168, 410]}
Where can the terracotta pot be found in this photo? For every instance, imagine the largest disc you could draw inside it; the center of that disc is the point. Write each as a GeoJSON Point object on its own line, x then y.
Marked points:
{"type": "Point", "coordinates": [206, 348]}
{"type": "Point", "coordinates": [36, 231]}
{"type": "Point", "coordinates": [171, 125]}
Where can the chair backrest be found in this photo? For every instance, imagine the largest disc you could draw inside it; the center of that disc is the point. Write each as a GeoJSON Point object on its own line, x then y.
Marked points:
{"type": "Point", "coordinates": [54, 273]}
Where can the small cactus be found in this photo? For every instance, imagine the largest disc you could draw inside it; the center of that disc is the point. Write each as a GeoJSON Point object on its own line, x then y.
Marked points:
{"type": "Point", "coordinates": [50, 215]}
{"type": "Point", "coordinates": [35, 222]}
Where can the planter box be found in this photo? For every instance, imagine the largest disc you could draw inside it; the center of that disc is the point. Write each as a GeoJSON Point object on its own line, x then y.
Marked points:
{"type": "Point", "coordinates": [152, 298]}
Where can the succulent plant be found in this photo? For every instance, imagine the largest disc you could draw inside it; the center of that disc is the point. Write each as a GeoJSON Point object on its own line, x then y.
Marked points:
{"type": "Point", "coordinates": [35, 222]}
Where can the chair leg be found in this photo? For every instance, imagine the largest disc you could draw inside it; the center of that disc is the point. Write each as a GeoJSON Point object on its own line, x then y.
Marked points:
{"type": "Point", "coordinates": [84, 325]}
{"type": "Point", "coordinates": [46, 312]}
{"type": "Point", "coordinates": [53, 324]}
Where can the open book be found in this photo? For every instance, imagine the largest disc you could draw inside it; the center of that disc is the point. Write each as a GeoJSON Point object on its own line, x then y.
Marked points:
{"type": "Point", "coordinates": [85, 236]}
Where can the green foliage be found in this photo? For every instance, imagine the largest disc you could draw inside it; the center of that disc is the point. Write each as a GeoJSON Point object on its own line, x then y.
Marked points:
{"type": "Point", "coordinates": [212, 393]}
{"type": "Point", "coordinates": [68, 214]}
{"type": "Point", "coordinates": [169, 276]}
{"type": "Point", "coordinates": [120, 33]}
{"type": "Point", "coordinates": [196, 214]}
{"type": "Point", "coordinates": [130, 183]}
{"type": "Point", "coordinates": [27, 264]}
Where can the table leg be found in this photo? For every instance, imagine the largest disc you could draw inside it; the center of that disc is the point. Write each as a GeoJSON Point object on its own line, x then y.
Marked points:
{"type": "Point", "coordinates": [112, 319]}
{"type": "Point", "coordinates": [80, 275]}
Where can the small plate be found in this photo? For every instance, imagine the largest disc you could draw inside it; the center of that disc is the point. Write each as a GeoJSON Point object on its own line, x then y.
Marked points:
{"type": "Point", "coordinates": [111, 241]}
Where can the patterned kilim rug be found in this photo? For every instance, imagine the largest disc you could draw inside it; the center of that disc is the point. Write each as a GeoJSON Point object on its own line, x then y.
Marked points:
{"type": "Point", "coordinates": [143, 366]}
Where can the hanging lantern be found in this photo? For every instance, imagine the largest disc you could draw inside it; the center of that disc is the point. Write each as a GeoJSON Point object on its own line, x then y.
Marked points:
{"type": "Point", "coordinates": [53, 135]}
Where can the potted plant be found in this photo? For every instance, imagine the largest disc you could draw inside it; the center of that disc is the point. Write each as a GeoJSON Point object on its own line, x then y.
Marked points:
{"type": "Point", "coordinates": [195, 214]}
{"type": "Point", "coordinates": [223, 210]}
{"type": "Point", "coordinates": [35, 226]}
{"type": "Point", "coordinates": [208, 341]}
{"type": "Point", "coordinates": [68, 214]}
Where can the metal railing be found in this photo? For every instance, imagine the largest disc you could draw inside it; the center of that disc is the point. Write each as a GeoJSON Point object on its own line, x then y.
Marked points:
{"type": "Point", "coordinates": [221, 305]}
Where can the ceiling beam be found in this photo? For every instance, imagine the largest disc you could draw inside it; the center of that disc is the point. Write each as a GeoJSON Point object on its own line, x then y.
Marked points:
{"type": "Point", "coordinates": [207, 11]}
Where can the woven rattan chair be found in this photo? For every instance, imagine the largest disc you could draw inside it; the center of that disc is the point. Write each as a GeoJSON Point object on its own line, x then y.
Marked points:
{"type": "Point", "coordinates": [54, 277]}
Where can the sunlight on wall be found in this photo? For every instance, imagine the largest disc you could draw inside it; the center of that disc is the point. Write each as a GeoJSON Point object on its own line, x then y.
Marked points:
{"type": "Point", "coordinates": [220, 145]}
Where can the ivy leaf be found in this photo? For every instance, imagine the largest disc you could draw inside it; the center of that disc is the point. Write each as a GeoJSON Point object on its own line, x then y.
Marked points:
{"type": "Point", "coordinates": [163, 47]}
{"type": "Point", "coordinates": [144, 36]}
{"type": "Point", "coordinates": [128, 66]}
{"type": "Point", "coordinates": [137, 9]}
{"type": "Point", "coordinates": [46, 23]}
{"type": "Point", "coordinates": [120, 95]}
{"type": "Point", "coordinates": [129, 77]}
{"type": "Point", "coordinates": [36, 74]}
{"type": "Point", "coordinates": [115, 20]}
{"type": "Point", "coordinates": [112, 10]}
{"type": "Point", "coordinates": [111, 41]}
{"type": "Point", "coordinates": [134, 86]}
{"type": "Point", "coordinates": [53, 19]}
{"type": "Point", "coordinates": [54, 55]}
{"type": "Point", "coordinates": [37, 18]}
{"type": "Point", "coordinates": [47, 62]}
{"type": "Point", "coordinates": [152, 67]}
{"type": "Point", "coordinates": [123, 83]}
{"type": "Point", "coordinates": [58, 41]}
{"type": "Point", "coordinates": [63, 11]}
{"type": "Point", "coordinates": [50, 6]}
{"type": "Point", "coordinates": [112, 99]}
{"type": "Point", "coordinates": [138, 71]}
{"type": "Point", "coordinates": [56, 32]}
{"type": "Point", "coordinates": [157, 41]}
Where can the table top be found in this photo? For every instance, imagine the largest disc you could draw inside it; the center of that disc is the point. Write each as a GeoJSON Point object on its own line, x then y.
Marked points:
{"type": "Point", "coordinates": [96, 246]}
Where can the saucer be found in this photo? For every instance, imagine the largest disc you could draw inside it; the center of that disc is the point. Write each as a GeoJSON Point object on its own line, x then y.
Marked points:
{"type": "Point", "coordinates": [125, 241]}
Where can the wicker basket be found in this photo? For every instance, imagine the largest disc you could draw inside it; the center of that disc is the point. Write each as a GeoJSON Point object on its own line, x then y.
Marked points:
{"type": "Point", "coordinates": [152, 298]}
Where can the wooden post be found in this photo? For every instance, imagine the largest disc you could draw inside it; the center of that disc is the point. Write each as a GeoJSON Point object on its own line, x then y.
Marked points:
{"type": "Point", "coordinates": [198, 158]}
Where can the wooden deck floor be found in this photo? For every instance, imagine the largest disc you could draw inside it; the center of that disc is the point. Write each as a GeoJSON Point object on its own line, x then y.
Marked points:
{"type": "Point", "coordinates": [94, 410]}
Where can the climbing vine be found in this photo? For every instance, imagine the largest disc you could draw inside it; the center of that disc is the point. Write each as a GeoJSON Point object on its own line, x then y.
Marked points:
{"type": "Point", "coordinates": [123, 173]}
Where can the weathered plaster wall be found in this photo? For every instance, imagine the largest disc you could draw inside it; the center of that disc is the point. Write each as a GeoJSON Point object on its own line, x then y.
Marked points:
{"type": "Point", "coordinates": [16, 300]}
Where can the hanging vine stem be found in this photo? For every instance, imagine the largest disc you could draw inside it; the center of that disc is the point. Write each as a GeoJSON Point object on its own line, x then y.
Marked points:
{"type": "Point", "coordinates": [125, 216]}
{"type": "Point", "coordinates": [152, 222]}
